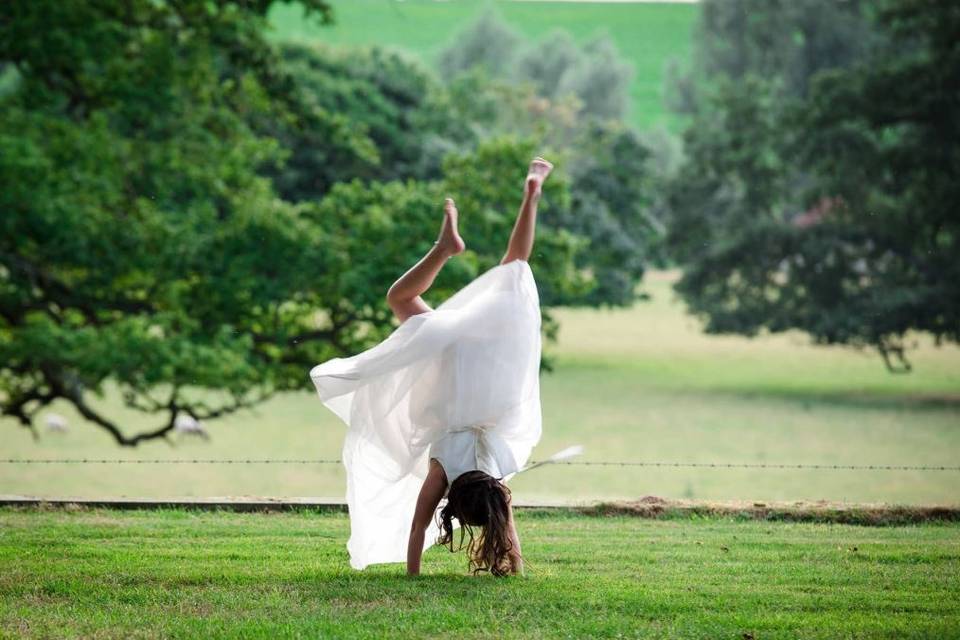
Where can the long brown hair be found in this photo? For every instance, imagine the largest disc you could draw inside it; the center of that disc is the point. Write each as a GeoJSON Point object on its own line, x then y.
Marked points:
{"type": "Point", "coordinates": [477, 499]}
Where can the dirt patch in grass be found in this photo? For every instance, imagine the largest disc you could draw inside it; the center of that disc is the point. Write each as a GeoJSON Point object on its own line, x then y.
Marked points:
{"type": "Point", "coordinates": [96, 512]}
{"type": "Point", "coordinates": [799, 511]}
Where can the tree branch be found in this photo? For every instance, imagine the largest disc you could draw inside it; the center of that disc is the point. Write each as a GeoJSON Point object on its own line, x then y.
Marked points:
{"type": "Point", "coordinates": [202, 411]}
{"type": "Point", "coordinates": [73, 392]}
{"type": "Point", "coordinates": [56, 291]}
{"type": "Point", "coordinates": [17, 409]}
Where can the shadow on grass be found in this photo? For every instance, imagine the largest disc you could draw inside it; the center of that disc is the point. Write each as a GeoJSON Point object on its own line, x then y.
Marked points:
{"type": "Point", "coordinates": [809, 399]}
{"type": "Point", "coordinates": [391, 588]}
{"type": "Point", "coordinates": [329, 582]}
{"type": "Point", "coordinates": [808, 392]}
{"type": "Point", "coordinates": [843, 398]}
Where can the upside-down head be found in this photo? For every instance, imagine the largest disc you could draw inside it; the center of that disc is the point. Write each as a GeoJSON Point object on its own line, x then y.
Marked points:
{"type": "Point", "coordinates": [479, 500]}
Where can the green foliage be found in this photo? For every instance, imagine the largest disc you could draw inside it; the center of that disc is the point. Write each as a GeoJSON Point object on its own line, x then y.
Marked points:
{"type": "Point", "coordinates": [547, 62]}
{"type": "Point", "coordinates": [601, 80]}
{"type": "Point", "coordinates": [780, 40]}
{"type": "Point", "coordinates": [733, 175]}
{"type": "Point", "coordinates": [487, 43]}
{"type": "Point", "coordinates": [390, 104]}
{"type": "Point", "coordinates": [884, 143]}
{"type": "Point", "coordinates": [138, 242]}
{"type": "Point", "coordinates": [817, 179]}
{"type": "Point", "coordinates": [611, 186]}
{"type": "Point", "coordinates": [595, 73]}
{"type": "Point", "coordinates": [395, 223]}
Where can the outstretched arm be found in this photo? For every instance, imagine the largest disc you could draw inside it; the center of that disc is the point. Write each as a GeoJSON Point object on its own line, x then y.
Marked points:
{"type": "Point", "coordinates": [521, 239]}
{"type": "Point", "coordinates": [430, 495]}
{"type": "Point", "coordinates": [516, 557]}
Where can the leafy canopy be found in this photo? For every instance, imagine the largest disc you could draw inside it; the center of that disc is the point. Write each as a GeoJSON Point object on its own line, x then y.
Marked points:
{"type": "Point", "coordinates": [194, 217]}
{"type": "Point", "coordinates": [819, 190]}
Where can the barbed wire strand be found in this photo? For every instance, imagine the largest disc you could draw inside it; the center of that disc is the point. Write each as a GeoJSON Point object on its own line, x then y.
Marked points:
{"type": "Point", "coordinates": [587, 463]}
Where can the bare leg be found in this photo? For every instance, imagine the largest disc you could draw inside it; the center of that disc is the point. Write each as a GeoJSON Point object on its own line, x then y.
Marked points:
{"type": "Point", "coordinates": [404, 295]}
{"type": "Point", "coordinates": [521, 239]}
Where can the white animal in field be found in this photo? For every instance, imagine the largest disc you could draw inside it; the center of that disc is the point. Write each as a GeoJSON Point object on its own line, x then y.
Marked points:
{"type": "Point", "coordinates": [187, 425]}
{"type": "Point", "coordinates": [56, 423]}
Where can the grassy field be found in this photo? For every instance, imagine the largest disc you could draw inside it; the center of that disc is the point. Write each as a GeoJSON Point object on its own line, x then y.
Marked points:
{"type": "Point", "coordinates": [648, 35]}
{"type": "Point", "coordinates": [636, 384]}
{"type": "Point", "coordinates": [181, 574]}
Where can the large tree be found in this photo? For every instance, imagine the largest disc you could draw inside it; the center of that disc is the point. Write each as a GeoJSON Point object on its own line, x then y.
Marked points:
{"type": "Point", "coordinates": [138, 244]}
{"type": "Point", "coordinates": [815, 194]}
{"type": "Point", "coordinates": [144, 246]}
{"type": "Point", "coordinates": [882, 138]}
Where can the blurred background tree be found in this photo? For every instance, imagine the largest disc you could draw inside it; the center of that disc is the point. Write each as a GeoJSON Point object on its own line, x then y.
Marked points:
{"type": "Point", "coordinates": [571, 99]}
{"type": "Point", "coordinates": [487, 43]}
{"type": "Point", "coordinates": [882, 138]}
{"type": "Point", "coordinates": [815, 194]}
{"type": "Point", "coordinates": [391, 103]}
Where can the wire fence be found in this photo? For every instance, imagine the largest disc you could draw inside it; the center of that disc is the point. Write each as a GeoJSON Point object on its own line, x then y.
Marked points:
{"type": "Point", "coordinates": [584, 463]}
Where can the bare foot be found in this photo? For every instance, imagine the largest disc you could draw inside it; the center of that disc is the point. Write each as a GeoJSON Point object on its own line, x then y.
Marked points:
{"type": "Point", "coordinates": [538, 172]}
{"type": "Point", "coordinates": [450, 241]}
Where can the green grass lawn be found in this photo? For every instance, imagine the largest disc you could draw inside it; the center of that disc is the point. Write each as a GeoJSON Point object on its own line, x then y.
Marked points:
{"type": "Point", "coordinates": [186, 574]}
{"type": "Point", "coordinates": [648, 35]}
{"type": "Point", "coordinates": [634, 384]}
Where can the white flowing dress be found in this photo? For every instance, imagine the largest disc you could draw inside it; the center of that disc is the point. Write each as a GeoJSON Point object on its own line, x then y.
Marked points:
{"type": "Point", "coordinates": [459, 383]}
